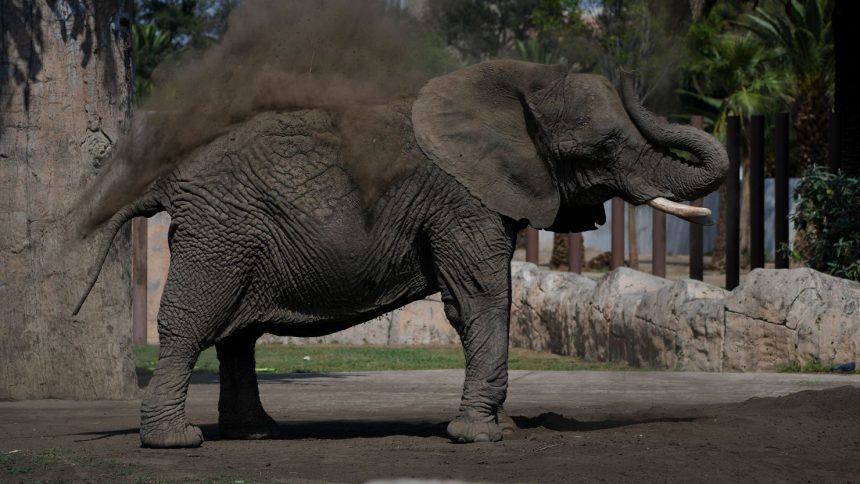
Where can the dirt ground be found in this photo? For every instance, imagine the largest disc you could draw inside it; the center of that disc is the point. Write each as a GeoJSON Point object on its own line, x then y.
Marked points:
{"type": "Point", "coordinates": [574, 427]}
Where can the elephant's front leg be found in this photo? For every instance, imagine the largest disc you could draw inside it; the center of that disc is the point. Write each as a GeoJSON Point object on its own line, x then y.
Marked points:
{"type": "Point", "coordinates": [240, 413]}
{"type": "Point", "coordinates": [473, 266]}
{"type": "Point", "coordinates": [485, 341]}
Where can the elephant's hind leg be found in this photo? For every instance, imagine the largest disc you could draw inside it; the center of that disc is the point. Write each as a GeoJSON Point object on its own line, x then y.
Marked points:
{"type": "Point", "coordinates": [201, 292]}
{"type": "Point", "coordinates": [163, 423]}
{"type": "Point", "coordinates": [240, 413]}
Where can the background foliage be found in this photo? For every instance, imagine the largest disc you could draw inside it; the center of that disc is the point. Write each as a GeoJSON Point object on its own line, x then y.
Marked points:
{"type": "Point", "coordinates": [715, 58]}
{"type": "Point", "coordinates": [827, 214]}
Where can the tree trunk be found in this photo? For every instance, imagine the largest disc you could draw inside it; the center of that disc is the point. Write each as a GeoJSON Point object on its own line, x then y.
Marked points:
{"type": "Point", "coordinates": [810, 127]}
{"type": "Point", "coordinates": [559, 252]}
{"type": "Point", "coordinates": [64, 99]}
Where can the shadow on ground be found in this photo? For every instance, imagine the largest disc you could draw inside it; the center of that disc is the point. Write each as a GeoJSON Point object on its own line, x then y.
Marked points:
{"type": "Point", "coordinates": [560, 423]}
{"type": "Point", "coordinates": [143, 377]}
{"type": "Point", "coordinates": [363, 429]}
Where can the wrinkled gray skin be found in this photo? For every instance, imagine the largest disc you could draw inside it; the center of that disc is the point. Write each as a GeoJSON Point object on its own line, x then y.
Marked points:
{"type": "Point", "coordinates": [276, 228]}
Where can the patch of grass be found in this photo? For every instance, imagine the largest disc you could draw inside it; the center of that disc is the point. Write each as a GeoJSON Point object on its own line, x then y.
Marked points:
{"type": "Point", "coordinates": [276, 358]}
{"type": "Point", "coordinates": [811, 367]}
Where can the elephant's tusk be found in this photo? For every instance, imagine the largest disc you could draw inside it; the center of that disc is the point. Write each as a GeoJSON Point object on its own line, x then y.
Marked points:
{"type": "Point", "coordinates": [696, 215]}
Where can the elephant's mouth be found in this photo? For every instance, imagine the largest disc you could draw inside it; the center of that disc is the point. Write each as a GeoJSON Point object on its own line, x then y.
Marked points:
{"type": "Point", "coordinates": [696, 215]}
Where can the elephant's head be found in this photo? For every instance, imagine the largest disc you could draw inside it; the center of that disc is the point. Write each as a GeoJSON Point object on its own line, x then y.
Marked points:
{"type": "Point", "coordinates": [533, 142]}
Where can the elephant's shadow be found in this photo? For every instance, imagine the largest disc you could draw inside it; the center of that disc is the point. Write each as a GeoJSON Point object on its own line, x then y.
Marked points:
{"type": "Point", "coordinates": [353, 429]}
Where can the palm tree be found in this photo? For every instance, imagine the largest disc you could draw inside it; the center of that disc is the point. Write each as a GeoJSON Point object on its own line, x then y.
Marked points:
{"type": "Point", "coordinates": [803, 38]}
{"type": "Point", "coordinates": [149, 48]}
{"type": "Point", "coordinates": [731, 74]}
{"type": "Point", "coordinates": [733, 77]}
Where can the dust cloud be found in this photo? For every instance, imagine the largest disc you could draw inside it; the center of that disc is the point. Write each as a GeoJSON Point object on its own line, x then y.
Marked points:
{"type": "Point", "coordinates": [274, 55]}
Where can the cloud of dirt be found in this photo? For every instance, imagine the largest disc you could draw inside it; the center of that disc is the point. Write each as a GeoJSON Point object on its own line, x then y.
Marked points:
{"type": "Point", "coordinates": [275, 55]}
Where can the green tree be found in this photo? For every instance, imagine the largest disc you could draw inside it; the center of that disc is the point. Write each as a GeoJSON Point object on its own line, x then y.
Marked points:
{"type": "Point", "coordinates": [165, 28]}
{"type": "Point", "coordinates": [802, 37]}
{"type": "Point", "coordinates": [149, 48]}
{"type": "Point", "coordinates": [484, 29]}
{"type": "Point", "coordinates": [828, 218]}
{"type": "Point", "coordinates": [730, 72]}
{"type": "Point", "coordinates": [189, 24]}
{"type": "Point", "coordinates": [645, 36]}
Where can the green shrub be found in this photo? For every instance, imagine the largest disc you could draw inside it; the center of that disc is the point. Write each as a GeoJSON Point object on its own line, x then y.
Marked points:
{"type": "Point", "coordinates": [827, 218]}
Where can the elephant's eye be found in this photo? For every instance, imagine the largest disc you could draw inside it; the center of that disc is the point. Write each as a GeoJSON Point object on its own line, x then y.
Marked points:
{"type": "Point", "coordinates": [608, 143]}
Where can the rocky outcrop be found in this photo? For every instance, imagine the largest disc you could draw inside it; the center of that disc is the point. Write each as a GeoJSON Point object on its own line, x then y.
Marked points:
{"type": "Point", "coordinates": [774, 318]}
{"type": "Point", "coordinates": [547, 308]}
{"type": "Point", "coordinates": [795, 315]}
{"type": "Point", "coordinates": [679, 326]}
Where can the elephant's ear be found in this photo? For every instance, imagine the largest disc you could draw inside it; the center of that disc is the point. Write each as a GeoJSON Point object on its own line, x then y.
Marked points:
{"type": "Point", "coordinates": [473, 123]}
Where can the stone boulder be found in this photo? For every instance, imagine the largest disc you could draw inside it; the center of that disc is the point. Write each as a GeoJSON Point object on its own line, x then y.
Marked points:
{"type": "Point", "coordinates": [800, 315]}
{"type": "Point", "coordinates": [422, 323]}
{"type": "Point", "coordinates": [611, 317]}
{"type": "Point", "coordinates": [547, 308]}
{"type": "Point", "coordinates": [680, 326]}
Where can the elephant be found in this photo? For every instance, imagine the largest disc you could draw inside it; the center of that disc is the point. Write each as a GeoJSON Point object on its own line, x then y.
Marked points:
{"type": "Point", "coordinates": [305, 222]}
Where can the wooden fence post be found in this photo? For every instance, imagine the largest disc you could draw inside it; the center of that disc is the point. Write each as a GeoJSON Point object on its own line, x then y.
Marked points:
{"type": "Point", "coordinates": [139, 280]}
{"type": "Point", "coordinates": [575, 256]}
{"type": "Point", "coordinates": [617, 259]}
{"type": "Point", "coordinates": [658, 243]}
{"type": "Point", "coordinates": [532, 245]}
{"type": "Point", "coordinates": [733, 209]}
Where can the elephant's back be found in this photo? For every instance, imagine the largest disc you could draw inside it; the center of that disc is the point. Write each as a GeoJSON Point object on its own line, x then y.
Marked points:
{"type": "Point", "coordinates": [284, 186]}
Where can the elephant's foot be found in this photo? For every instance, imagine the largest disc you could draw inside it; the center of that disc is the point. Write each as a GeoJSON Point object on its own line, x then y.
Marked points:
{"type": "Point", "coordinates": [505, 422]}
{"type": "Point", "coordinates": [185, 435]}
{"type": "Point", "coordinates": [259, 427]}
{"type": "Point", "coordinates": [470, 426]}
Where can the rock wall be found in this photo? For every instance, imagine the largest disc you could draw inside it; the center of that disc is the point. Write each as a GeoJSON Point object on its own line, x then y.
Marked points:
{"type": "Point", "coordinates": [791, 315]}
{"type": "Point", "coordinates": [773, 318]}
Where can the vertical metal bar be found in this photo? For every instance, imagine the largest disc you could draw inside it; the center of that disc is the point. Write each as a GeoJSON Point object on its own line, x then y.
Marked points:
{"type": "Point", "coordinates": [532, 245]}
{"type": "Point", "coordinates": [780, 219]}
{"type": "Point", "coordinates": [575, 257]}
{"type": "Point", "coordinates": [733, 203]}
{"type": "Point", "coordinates": [617, 259]}
{"type": "Point", "coordinates": [697, 235]}
{"type": "Point", "coordinates": [658, 243]}
{"type": "Point", "coordinates": [756, 191]}
{"type": "Point", "coordinates": [139, 280]}
{"type": "Point", "coordinates": [832, 142]}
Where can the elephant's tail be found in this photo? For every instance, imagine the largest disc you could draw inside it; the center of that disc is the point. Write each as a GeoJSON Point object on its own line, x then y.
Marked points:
{"type": "Point", "coordinates": [103, 237]}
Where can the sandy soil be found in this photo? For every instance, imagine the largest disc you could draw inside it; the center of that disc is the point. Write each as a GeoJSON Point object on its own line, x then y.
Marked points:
{"type": "Point", "coordinates": [627, 426]}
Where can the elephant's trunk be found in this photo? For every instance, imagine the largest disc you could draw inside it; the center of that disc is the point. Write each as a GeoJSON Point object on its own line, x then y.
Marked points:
{"type": "Point", "coordinates": [688, 179]}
